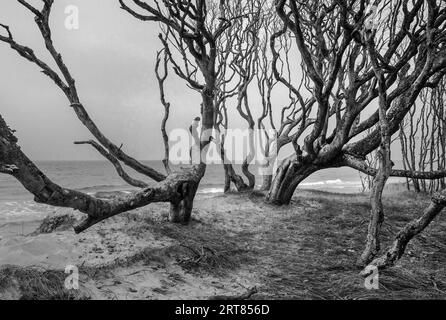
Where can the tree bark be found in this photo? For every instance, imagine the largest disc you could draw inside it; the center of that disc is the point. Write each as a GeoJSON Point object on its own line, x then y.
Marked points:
{"type": "Point", "coordinates": [181, 210]}
{"type": "Point", "coordinates": [372, 246]}
{"type": "Point", "coordinates": [384, 165]}
{"type": "Point", "coordinates": [413, 228]}
{"type": "Point", "coordinates": [266, 182]}
{"type": "Point", "coordinates": [245, 166]}
{"type": "Point", "coordinates": [178, 188]}
{"type": "Point", "coordinates": [251, 178]}
{"type": "Point", "coordinates": [230, 174]}
{"type": "Point", "coordinates": [289, 174]}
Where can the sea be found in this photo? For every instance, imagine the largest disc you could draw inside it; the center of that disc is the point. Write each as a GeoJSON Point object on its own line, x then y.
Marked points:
{"type": "Point", "coordinates": [100, 176]}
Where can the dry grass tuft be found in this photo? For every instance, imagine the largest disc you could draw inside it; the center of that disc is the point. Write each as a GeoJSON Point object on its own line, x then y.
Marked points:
{"type": "Point", "coordinates": [198, 247]}
{"type": "Point", "coordinates": [56, 223]}
{"type": "Point", "coordinates": [35, 284]}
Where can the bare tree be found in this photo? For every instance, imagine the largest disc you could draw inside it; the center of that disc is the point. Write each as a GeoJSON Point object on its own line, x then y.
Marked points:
{"type": "Point", "coordinates": [246, 55]}
{"type": "Point", "coordinates": [422, 137]}
{"type": "Point", "coordinates": [195, 36]}
{"type": "Point", "coordinates": [227, 85]}
{"type": "Point", "coordinates": [342, 82]}
{"type": "Point", "coordinates": [352, 54]}
{"type": "Point", "coordinates": [384, 161]}
{"type": "Point", "coordinates": [410, 230]}
{"type": "Point", "coordinates": [273, 71]}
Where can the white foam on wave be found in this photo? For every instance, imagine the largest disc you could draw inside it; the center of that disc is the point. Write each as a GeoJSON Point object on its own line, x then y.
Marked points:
{"type": "Point", "coordinates": [15, 209]}
{"type": "Point", "coordinates": [336, 183]}
{"type": "Point", "coordinates": [211, 190]}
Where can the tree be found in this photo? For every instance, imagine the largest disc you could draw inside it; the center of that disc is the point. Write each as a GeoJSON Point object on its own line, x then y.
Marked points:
{"type": "Point", "coordinates": [274, 72]}
{"type": "Point", "coordinates": [356, 56]}
{"type": "Point", "coordinates": [422, 136]}
{"type": "Point", "coordinates": [187, 25]}
{"type": "Point", "coordinates": [410, 230]}
{"type": "Point", "coordinates": [227, 87]}
{"type": "Point", "coordinates": [332, 38]}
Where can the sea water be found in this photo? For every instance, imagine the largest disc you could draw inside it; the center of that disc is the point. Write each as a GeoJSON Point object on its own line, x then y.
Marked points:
{"type": "Point", "coordinates": [100, 176]}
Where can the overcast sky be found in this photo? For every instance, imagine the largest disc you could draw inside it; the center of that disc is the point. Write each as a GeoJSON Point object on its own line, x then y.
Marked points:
{"type": "Point", "coordinates": [112, 58]}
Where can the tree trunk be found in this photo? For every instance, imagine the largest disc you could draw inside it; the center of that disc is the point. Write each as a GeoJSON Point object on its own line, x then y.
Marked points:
{"type": "Point", "coordinates": [289, 174]}
{"type": "Point", "coordinates": [266, 168]}
{"type": "Point", "coordinates": [251, 178]}
{"type": "Point", "coordinates": [227, 186]}
{"type": "Point", "coordinates": [181, 211]}
{"type": "Point", "coordinates": [267, 182]}
{"type": "Point", "coordinates": [179, 188]}
{"type": "Point", "coordinates": [230, 174]}
{"type": "Point", "coordinates": [412, 229]}
{"type": "Point", "coordinates": [245, 166]}
{"type": "Point", "coordinates": [372, 246]}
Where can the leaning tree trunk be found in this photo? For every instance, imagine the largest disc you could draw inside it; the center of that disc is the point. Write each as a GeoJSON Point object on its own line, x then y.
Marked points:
{"type": "Point", "coordinates": [413, 228]}
{"type": "Point", "coordinates": [251, 177]}
{"type": "Point", "coordinates": [289, 174]}
{"type": "Point", "coordinates": [178, 188]}
{"type": "Point", "coordinates": [245, 166]}
{"type": "Point", "coordinates": [230, 174]}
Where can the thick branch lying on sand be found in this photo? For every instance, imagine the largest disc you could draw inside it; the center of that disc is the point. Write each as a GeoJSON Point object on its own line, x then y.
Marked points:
{"type": "Point", "coordinates": [361, 165]}
{"type": "Point", "coordinates": [413, 228]}
{"type": "Point", "coordinates": [14, 162]}
{"type": "Point", "coordinates": [131, 181]}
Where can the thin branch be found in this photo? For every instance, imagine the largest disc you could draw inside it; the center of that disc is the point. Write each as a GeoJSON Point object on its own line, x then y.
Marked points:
{"type": "Point", "coordinates": [131, 181]}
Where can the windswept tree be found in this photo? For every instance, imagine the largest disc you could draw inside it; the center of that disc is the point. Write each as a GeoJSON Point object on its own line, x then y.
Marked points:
{"type": "Point", "coordinates": [227, 87]}
{"type": "Point", "coordinates": [361, 65]}
{"type": "Point", "coordinates": [274, 74]}
{"type": "Point", "coordinates": [365, 64]}
{"type": "Point", "coordinates": [186, 24]}
{"type": "Point", "coordinates": [338, 44]}
{"type": "Point", "coordinates": [423, 139]}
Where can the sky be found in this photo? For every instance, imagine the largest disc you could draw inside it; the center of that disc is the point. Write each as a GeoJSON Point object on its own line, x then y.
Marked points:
{"type": "Point", "coordinates": [112, 58]}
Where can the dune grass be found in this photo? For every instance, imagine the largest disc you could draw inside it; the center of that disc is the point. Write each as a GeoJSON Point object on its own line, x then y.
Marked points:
{"type": "Point", "coordinates": [309, 249]}
{"type": "Point", "coordinates": [33, 283]}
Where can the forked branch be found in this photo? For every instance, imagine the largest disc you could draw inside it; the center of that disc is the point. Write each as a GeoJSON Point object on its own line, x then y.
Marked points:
{"type": "Point", "coordinates": [67, 84]}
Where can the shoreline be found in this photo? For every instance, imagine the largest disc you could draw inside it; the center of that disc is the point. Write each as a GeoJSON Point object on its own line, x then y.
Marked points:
{"type": "Point", "coordinates": [234, 243]}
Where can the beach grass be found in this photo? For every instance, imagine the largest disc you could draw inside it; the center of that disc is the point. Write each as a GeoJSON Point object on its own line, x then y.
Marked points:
{"type": "Point", "coordinates": [307, 250]}
{"type": "Point", "coordinates": [35, 283]}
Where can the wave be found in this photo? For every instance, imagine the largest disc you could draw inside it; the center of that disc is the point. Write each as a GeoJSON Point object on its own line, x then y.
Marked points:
{"type": "Point", "coordinates": [330, 182]}
{"type": "Point", "coordinates": [25, 209]}
{"type": "Point", "coordinates": [108, 187]}
{"type": "Point", "coordinates": [211, 190]}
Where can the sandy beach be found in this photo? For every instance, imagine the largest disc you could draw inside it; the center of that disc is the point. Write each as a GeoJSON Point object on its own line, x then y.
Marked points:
{"type": "Point", "coordinates": [235, 245]}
